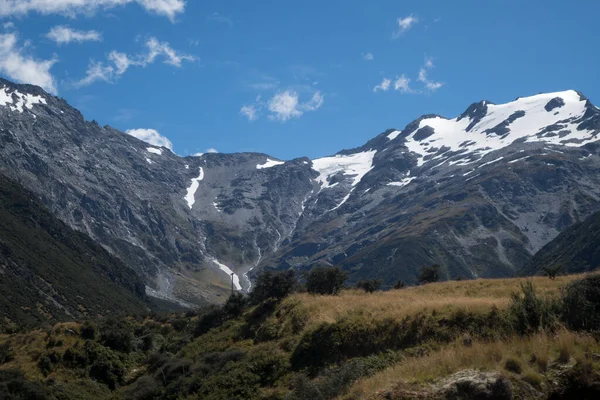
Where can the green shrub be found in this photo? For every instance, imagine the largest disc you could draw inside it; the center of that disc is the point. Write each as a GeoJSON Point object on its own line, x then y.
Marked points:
{"type": "Point", "coordinates": [400, 284]}
{"type": "Point", "coordinates": [325, 280]}
{"type": "Point", "coordinates": [144, 388]}
{"type": "Point", "coordinates": [14, 386]}
{"type": "Point", "coordinates": [45, 365]}
{"type": "Point", "coordinates": [88, 330]}
{"type": "Point", "coordinates": [273, 285]}
{"type": "Point", "coordinates": [211, 317]}
{"type": "Point", "coordinates": [581, 304]}
{"type": "Point", "coordinates": [531, 313]}
{"type": "Point", "coordinates": [369, 285]}
{"type": "Point", "coordinates": [235, 305]}
{"type": "Point", "coordinates": [552, 272]}
{"type": "Point", "coordinates": [108, 371]}
{"type": "Point", "coordinates": [117, 334]}
{"type": "Point", "coordinates": [513, 365]}
{"type": "Point", "coordinates": [6, 353]}
{"type": "Point", "coordinates": [429, 274]}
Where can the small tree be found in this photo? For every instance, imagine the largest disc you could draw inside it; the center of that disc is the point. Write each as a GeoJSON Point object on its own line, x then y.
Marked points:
{"type": "Point", "coordinates": [429, 274]}
{"type": "Point", "coordinates": [552, 272]}
{"type": "Point", "coordinates": [273, 285]}
{"type": "Point", "coordinates": [325, 280]}
{"type": "Point", "coordinates": [400, 285]}
{"type": "Point", "coordinates": [369, 285]}
{"type": "Point", "coordinates": [235, 305]}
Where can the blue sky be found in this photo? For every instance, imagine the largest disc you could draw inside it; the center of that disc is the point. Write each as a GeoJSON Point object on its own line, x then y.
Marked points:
{"type": "Point", "coordinates": [293, 79]}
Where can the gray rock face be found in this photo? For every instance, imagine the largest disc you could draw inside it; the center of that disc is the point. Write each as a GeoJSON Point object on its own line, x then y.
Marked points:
{"type": "Point", "coordinates": [478, 194]}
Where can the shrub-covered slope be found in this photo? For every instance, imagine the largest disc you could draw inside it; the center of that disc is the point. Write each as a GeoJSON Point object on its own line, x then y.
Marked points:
{"type": "Point", "coordinates": [50, 272]}
{"type": "Point", "coordinates": [483, 339]}
{"type": "Point", "coordinates": [575, 250]}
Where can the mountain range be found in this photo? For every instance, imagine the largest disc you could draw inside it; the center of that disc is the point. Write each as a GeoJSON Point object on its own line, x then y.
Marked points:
{"type": "Point", "coordinates": [478, 194]}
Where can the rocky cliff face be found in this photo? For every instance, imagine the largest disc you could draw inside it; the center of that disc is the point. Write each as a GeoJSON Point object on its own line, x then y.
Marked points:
{"type": "Point", "coordinates": [478, 194]}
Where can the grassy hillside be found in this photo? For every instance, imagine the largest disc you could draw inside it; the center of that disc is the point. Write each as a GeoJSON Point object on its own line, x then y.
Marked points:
{"type": "Point", "coordinates": [469, 339]}
{"type": "Point", "coordinates": [575, 250]}
{"type": "Point", "coordinates": [48, 272]}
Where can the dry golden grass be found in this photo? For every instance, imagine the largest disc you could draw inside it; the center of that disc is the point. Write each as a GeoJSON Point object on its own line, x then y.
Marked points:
{"type": "Point", "coordinates": [444, 297]}
{"type": "Point", "coordinates": [479, 356]}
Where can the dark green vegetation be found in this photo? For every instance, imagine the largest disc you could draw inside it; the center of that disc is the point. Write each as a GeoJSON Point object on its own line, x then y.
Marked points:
{"type": "Point", "coordinates": [325, 280]}
{"type": "Point", "coordinates": [275, 348]}
{"type": "Point", "coordinates": [575, 250]}
{"type": "Point", "coordinates": [48, 272]}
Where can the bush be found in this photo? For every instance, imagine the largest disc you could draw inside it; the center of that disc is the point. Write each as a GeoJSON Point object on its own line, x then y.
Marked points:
{"type": "Point", "coordinates": [400, 285]}
{"type": "Point", "coordinates": [235, 305]}
{"type": "Point", "coordinates": [325, 280]}
{"type": "Point", "coordinates": [88, 331]}
{"type": "Point", "coordinates": [6, 353]}
{"type": "Point", "coordinates": [117, 335]}
{"type": "Point", "coordinates": [530, 313]}
{"type": "Point", "coordinates": [513, 365]}
{"type": "Point", "coordinates": [552, 272]}
{"type": "Point", "coordinates": [13, 385]}
{"type": "Point", "coordinates": [108, 371]}
{"type": "Point", "coordinates": [369, 285]}
{"type": "Point", "coordinates": [429, 274]}
{"type": "Point", "coordinates": [211, 318]}
{"type": "Point", "coordinates": [273, 285]}
{"type": "Point", "coordinates": [581, 303]}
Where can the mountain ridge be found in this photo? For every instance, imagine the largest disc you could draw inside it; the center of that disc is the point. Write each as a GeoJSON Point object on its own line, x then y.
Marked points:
{"type": "Point", "coordinates": [466, 193]}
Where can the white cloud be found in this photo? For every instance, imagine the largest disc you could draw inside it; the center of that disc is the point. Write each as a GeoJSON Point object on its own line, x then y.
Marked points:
{"type": "Point", "coordinates": [156, 48]}
{"type": "Point", "coordinates": [430, 85]}
{"type": "Point", "coordinates": [404, 24]}
{"type": "Point", "coordinates": [250, 112]}
{"type": "Point", "coordinates": [63, 35]}
{"type": "Point", "coordinates": [402, 84]}
{"type": "Point", "coordinates": [208, 151]}
{"type": "Point", "coordinates": [17, 65]}
{"type": "Point", "coordinates": [368, 57]}
{"type": "Point", "coordinates": [119, 63]}
{"type": "Point", "coordinates": [286, 105]}
{"type": "Point", "coordinates": [221, 19]}
{"type": "Point", "coordinates": [152, 137]}
{"type": "Point", "coordinates": [97, 72]}
{"type": "Point", "coordinates": [71, 8]}
{"type": "Point", "coordinates": [384, 86]}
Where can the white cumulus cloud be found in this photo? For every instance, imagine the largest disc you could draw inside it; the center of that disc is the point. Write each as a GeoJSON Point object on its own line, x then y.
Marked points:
{"type": "Point", "coordinates": [384, 86]}
{"type": "Point", "coordinates": [71, 8]}
{"type": "Point", "coordinates": [402, 84]}
{"type": "Point", "coordinates": [286, 105]}
{"type": "Point", "coordinates": [430, 85]}
{"type": "Point", "coordinates": [404, 24]}
{"type": "Point", "coordinates": [21, 67]}
{"type": "Point", "coordinates": [151, 136]}
{"type": "Point", "coordinates": [118, 63]}
{"type": "Point", "coordinates": [250, 112]}
{"type": "Point", "coordinates": [368, 57]}
{"type": "Point", "coordinates": [63, 35]}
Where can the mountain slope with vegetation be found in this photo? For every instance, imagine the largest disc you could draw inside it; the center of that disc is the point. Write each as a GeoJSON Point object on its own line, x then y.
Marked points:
{"type": "Point", "coordinates": [575, 250]}
{"type": "Point", "coordinates": [499, 339]}
{"type": "Point", "coordinates": [48, 272]}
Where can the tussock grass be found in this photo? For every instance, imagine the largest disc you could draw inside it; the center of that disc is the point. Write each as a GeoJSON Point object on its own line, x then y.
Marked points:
{"type": "Point", "coordinates": [528, 351]}
{"type": "Point", "coordinates": [478, 296]}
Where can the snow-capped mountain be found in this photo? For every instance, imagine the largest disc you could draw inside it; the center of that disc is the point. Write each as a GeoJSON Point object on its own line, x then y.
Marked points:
{"type": "Point", "coordinates": [478, 194]}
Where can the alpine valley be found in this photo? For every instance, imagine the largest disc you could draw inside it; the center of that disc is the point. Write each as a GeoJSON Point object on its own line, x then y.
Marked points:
{"type": "Point", "coordinates": [479, 194]}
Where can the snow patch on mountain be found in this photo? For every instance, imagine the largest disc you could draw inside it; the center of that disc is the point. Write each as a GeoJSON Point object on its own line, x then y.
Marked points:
{"type": "Point", "coordinates": [269, 164]}
{"type": "Point", "coordinates": [229, 272]}
{"type": "Point", "coordinates": [154, 150]}
{"type": "Point", "coordinates": [403, 182]}
{"type": "Point", "coordinates": [393, 135]}
{"type": "Point", "coordinates": [190, 197]}
{"type": "Point", "coordinates": [525, 119]}
{"type": "Point", "coordinates": [18, 101]}
{"type": "Point", "coordinates": [357, 165]}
